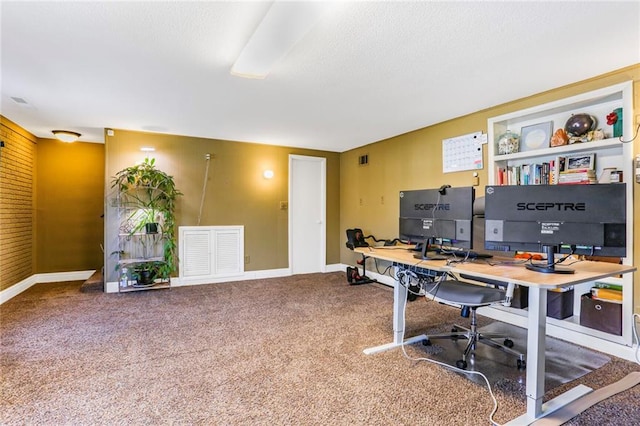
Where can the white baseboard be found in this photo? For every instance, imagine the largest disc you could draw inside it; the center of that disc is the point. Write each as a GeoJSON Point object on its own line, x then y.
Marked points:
{"type": "Point", "coordinates": [51, 277]}
{"type": "Point", "coordinates": [56, 277]}
{"type": "Point", "coordinates": [336, 267]}
{"type": "Point", "coordinates": [16, 289]}
{"type": "Point", "coordinates": [112, 287]}
{"type": "Point", "coordinates": [268, 273]}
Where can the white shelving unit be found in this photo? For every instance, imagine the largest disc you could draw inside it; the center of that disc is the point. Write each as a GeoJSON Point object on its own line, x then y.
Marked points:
{"type": "Point", "coordinates": [609, 152]}
{"type": "Point", "coordinates": [136, 248]}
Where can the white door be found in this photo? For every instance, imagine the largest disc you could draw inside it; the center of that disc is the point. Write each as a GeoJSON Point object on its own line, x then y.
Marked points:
{"type": "Point", "coordinates": [307, 213]}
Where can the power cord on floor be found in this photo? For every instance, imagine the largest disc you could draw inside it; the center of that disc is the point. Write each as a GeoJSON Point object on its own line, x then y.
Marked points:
{"type": "Point", "coordinates": [451, 367]}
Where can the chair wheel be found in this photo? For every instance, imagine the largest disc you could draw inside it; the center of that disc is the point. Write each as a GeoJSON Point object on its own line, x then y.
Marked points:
{"type": "Point", "coordinates": [426, 342]}
{"type": "Point", "coordinates": [462, 364]}
{"type": "Point", "coordinates": [522, 364]}
{"type": "Point", "coordinates": [508, 343]}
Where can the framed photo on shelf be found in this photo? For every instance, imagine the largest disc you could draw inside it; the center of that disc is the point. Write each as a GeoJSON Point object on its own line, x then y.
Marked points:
{"type": "Point", "coordinates": [580, 161]}
{"type": "Point", "coordinates": [536, 136]}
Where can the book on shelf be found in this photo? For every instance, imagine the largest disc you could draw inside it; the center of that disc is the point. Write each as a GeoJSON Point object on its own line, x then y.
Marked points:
{"type": "Point", "coordinates": [527, 174]}
{"type": "Point", "coordinates": [577, 176]}
{"type": "Point", "coordinates": [600, 284]}
{"type": "Point", "coordinates": [550, 172]}
{"type": "Point", "coordinates": [606, 294]}
{"type": "Point", "coordinates": [584, 173]}
{"type": "Point", "coordinates": [577, 171]}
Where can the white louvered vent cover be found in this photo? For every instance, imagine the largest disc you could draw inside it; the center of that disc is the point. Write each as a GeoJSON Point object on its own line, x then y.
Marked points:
{"type": "Point", "coordinates": [208, 252]}
{"type": "Point", "coordinates": [228, 256]}
{"type": "Point", "coordinates": [197, 254]}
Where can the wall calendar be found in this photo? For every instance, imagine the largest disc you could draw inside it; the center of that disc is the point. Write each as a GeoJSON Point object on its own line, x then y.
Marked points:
{"type": "Point", "coordinates": [463, 152]}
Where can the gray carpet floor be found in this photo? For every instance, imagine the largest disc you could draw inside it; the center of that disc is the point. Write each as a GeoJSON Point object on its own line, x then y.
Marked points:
{"type": "Point", "coordinates": [282, 351]}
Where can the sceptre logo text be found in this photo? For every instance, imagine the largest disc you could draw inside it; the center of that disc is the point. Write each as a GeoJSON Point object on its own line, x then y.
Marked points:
{"type": "Point", "coordinates": [431, 206]}
{"type": "Point", "coordinates": [577, 207]}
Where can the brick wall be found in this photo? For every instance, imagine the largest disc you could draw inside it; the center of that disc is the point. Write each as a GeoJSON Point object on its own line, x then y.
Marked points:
{"type": "Point", "coordinates": [17, 187]}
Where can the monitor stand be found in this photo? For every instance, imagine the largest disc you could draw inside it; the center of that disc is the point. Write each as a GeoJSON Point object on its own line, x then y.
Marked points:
{"type": "Point", "coordinates": [424, 254]}
{"type": "Point", "coordinates": [550, 267]}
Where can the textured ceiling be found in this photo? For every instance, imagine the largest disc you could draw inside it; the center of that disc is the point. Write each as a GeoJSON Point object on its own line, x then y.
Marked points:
{"type": "Point", "coordinates": [365, 72]}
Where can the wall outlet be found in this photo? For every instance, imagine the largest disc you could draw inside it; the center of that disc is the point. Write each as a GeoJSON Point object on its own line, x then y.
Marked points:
{"type": "Point", "coordinates": [247, 260]}
{"type": "Point", "coordinates": [284, 205]}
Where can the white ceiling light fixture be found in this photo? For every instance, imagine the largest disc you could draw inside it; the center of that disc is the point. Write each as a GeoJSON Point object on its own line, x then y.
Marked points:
{"type": "Point", "coordinates": [66, 135]}
{"type": "Point", "coordinates": [281, 28]}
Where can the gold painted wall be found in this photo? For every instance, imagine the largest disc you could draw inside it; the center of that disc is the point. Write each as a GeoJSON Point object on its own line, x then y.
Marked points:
{"type": "Point", "coordinates": [369, 194]}
{"type": "Point", "coordinates": [69, 194]}
{"type": "Point", "coordinates": [236, 192]}
{"type": "Point", "coordinates": [17, 204]}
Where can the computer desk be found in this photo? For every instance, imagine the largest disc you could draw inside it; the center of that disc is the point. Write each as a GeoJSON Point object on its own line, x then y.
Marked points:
{"type": "Point", "coordinates": [538, 284]}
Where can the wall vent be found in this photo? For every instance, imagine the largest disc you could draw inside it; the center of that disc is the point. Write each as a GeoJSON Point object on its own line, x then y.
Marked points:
{"type": "Point", "coordinates": [197, 254]}
{"type": "Point", "coordinates": [363, 160]}
{"type": "Point", "coordinates": [210, 252]}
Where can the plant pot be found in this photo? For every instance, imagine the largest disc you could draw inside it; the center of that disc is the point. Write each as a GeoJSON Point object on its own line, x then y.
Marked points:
{"type": "Point", "coordinates": [145, 277]}
{"type": "Point", "coordinates": [151, 228]}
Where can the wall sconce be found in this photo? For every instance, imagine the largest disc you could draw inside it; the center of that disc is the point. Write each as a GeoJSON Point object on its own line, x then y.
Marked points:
{"type": "Point", "coordinates": [66, 135]}
{"type": "Point", "coordinates": [147, 149]}
{"type": "Point", "coordinates": [268, 174]}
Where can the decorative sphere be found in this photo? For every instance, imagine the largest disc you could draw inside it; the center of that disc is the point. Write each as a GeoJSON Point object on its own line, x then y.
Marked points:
{"type": "Point", "coordinates": [580, 124]}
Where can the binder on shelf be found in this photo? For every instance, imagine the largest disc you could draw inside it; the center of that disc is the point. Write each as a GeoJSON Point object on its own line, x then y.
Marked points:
{"type": "Point", "coordinates": [606, 294]}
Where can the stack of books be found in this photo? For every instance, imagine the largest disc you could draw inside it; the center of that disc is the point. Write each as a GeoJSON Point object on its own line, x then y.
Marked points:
{"type": "Point", "coordinates": [577, 176]}
{"type": "Point", "coordinates": [607, 292]}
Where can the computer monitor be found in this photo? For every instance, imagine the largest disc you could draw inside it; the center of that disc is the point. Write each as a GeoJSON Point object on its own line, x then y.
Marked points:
{"type": "Point", "coordinates": [582, 219]}
{"type": "Point", "coordinates": [439, 216]}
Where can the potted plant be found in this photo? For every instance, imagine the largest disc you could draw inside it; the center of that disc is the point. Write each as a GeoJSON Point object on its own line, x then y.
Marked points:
{"type": "Point", "coordinates": [150, 195]}
{"type": "Point", "coordinates": [146, 272]}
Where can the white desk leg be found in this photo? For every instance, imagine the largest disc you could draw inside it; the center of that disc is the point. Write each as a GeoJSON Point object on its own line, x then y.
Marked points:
{"type": "Point", "coordinates": [536, 346]}
{"type": "Point", "coordinates": [399, 302]}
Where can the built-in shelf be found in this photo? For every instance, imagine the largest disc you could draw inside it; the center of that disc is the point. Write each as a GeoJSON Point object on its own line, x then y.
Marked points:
{"type": "Point", "coordinates": [610, 152]}
{"type": "Point", "coordinates": [565, 149]}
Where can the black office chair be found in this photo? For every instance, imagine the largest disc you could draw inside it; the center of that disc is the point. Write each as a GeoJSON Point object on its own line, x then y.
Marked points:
{"type": "Point", "coordinates": [469, 297]}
